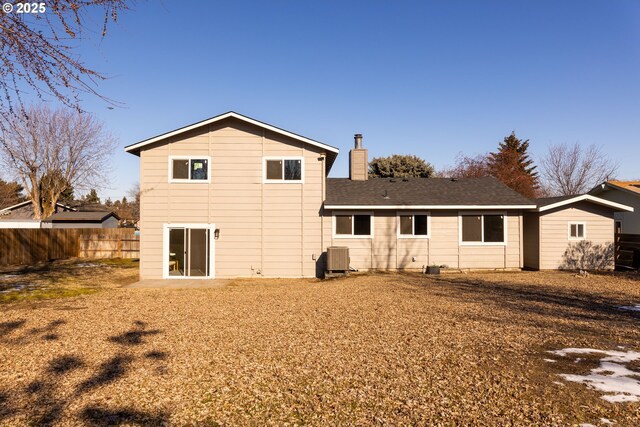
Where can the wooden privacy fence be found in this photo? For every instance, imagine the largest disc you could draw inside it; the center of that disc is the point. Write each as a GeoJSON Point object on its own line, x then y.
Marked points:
{"type": "Point", "coordinates": [628, 250]}
{"type": "Point", "coordinates": [28, 246]}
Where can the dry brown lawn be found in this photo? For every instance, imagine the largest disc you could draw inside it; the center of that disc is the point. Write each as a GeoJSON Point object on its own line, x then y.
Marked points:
{"type": "Point", "coordinates": [372, 349]}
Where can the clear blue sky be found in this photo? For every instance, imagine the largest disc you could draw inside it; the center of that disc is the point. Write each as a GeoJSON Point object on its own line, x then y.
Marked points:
{"type": "Point", "coordinates": [426, 78]}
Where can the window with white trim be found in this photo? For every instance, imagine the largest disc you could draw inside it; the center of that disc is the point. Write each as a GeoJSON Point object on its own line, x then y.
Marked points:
{"type": "Point", "coordinates": [353, 225]}
{"type": "Point", "coordinates": [189, 169]}
{"type": "Point", "coordinates": [416, 225]}
{"type": "Point", "coordinates": [577, 230]}
{"type": "Point", "coordinates": [484, 228]}
{"type": "Point", "coordinates": [286, 169]}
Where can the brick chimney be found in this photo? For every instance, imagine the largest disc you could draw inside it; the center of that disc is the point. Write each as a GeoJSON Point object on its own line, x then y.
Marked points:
{"type": "Point", "coordinates": [358, 160]}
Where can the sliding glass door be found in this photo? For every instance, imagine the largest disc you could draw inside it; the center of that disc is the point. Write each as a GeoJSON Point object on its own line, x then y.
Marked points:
{"type": "Point", "coordinates": [189, 252]}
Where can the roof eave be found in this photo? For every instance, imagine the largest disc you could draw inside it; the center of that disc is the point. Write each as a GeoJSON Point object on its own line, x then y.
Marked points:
{"type": "Point", "coordinates": [431, 207]}
{"type": "Point", "coordinates": [586, 198]}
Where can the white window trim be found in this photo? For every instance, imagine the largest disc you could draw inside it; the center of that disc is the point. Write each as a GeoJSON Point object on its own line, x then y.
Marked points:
{"type": "Point", "coordinates": [282, 181]}
{"type": "Point", "coordinates": [413, 222]}
{"type": "Point", "coordinates": [483, 213]}
{"type": "Point", "coordinates": [584, 229]}
{"type": "Point", "coordinates": [165, 249]}
{"type": "Point", "coordinates": [190, 181]}
{"type": "Point", "coordinates": [352, 236]}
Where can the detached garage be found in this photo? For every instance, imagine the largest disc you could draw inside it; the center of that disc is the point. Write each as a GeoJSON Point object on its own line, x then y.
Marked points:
{"type": "Point", "coordinates": [570, 232]}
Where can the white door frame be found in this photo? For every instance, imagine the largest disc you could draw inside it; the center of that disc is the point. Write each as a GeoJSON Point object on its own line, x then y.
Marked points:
{"type": "Point", "coordinates": [165, 249]}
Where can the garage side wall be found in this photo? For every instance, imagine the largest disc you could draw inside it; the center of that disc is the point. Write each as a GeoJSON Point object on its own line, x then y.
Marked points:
{"type": "Point", "coordinates": [554, 230]}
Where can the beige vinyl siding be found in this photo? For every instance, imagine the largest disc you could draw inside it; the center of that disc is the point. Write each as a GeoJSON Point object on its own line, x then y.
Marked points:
{"type": "Point", "coordinates": [554, 234]}
{"type": "Point", "coordinates": [269, 228]}
{"type": "Point", "coordinates": [531, 238]}
{"type": "Point", "coordinates": [630, 220]}
{"type": "Point", "coordinates": [387, 251]}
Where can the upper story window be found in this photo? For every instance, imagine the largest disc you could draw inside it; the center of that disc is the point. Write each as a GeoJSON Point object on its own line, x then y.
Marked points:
{"type": "Point", "coordinates": [577, 231]}
{"type": "Point", "coordinates": [353, 225]}
{"type": "Point", "coordinates": [283, 169]}
{"type": "Point", "coordinates": [416, 225]}
{"type": "Point", "coordinates": [189, 169]}
{"type": "Point", "coordinates": [483, 229]}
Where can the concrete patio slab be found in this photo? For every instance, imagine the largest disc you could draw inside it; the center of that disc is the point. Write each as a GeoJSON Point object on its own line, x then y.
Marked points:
{"type": "Point", "coordinates": [179, 283]}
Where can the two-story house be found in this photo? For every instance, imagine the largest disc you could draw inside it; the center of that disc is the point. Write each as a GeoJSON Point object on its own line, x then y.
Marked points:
{"type": "Point", "coordinates": [231, 196]}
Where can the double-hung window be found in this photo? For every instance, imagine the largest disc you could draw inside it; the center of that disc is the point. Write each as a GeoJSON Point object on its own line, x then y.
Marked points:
{"type": "Point", "coordinates": [353, 225]}
{"type": "Point", "coordinates": [189, 169]}
{"type": "Point", "coordinates": [483, 229]}
{"type": "Point", "coordinates": [577, 231]}
{"type": "Point", "coordinates": [413, 225]}
{"type": "Point", "coordinates": [284, 169]}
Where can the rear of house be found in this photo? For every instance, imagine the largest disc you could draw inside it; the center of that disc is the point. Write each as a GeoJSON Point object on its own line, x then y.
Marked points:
{"type": "Point", "coordinates": [231, 196]}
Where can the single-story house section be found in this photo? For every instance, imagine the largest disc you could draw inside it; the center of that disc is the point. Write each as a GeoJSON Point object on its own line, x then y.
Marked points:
{"type": "Point", "coordinates": [21, 215]}
{"type": "Point", "coordinates": [105, 219]}
{"type": "Point", "coordinates": [627, 193]}
{"type": "Point", "coordinates": [414, 222]}
{"type": "Point", "coordinates": [231, 196]}
{"type": "Point", "coordinates": [556, 230]}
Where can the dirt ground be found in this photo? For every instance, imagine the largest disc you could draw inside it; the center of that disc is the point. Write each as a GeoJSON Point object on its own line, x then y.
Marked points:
{"type": "Point", "coordinates": [459, 349]}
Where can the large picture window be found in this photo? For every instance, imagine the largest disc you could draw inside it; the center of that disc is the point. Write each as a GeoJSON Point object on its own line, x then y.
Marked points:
{"type": "Point", "coordinates": [416, 225]}
{"type": "Point", "coordinates": [353, 225]}
{"type": "Point", "coordinates": [289, 170]}
{"type": "Point", "coordinates": [189, 169]}
{"type": "Point", "coordinates": [483, 228]}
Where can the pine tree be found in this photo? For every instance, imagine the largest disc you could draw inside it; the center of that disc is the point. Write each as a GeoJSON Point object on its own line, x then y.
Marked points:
{"type": "Point", "coordinates": [512, 165]}
{"type": "Point", "coordinates": [92, 197]}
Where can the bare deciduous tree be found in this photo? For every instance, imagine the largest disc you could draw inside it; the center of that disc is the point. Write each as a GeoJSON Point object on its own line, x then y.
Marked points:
{"type": "Point", "coordinates": [572, 169]}
{"type": "Point", "coordinates": [51, 149]}
{"type": "Point", "coordinates": [38, 53]}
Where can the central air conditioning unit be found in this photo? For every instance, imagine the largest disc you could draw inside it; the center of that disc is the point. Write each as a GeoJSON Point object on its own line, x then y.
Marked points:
{"type": "Point", "coordinates": [338, 259]}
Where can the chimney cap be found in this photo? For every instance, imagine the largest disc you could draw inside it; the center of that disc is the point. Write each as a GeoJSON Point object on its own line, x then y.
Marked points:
{"type": "Point", "coordinates": [358, 140]}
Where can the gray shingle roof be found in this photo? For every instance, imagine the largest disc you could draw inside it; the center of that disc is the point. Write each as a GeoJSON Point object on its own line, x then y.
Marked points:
{"type": "Point", "coordinates": [81, 216]}
{"type": "Point", "coordinates": [422, 192]}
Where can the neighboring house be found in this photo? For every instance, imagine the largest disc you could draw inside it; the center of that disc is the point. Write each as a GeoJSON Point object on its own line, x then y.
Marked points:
{"type": "Point", "coordinates": [104, 219]}
{"type": "Point", "coordinates": [231, 196]}
{"type": "Point", "coordinates": [625, 192]}
{"type": "Point", "coordinates": [560, 222]}
{"type": "Point", "coordinates": [21, 215]}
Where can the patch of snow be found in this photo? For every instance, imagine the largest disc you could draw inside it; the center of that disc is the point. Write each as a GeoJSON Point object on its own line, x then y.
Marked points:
{"type": "Point", "coordinates": [587, 425]}
{"type": "Point", "coordinates": [578, 360]}
{"type": "Point", "coordinates": [9, 276]}
{"type": "Point", "coordinates": [606, 421]}
{"type": "Point", "coordinates": [550, 360]}
{"type": "Point", "coordinates": [87, 264]}
{"type": "Point", "coordinates": [613, 355]}
{"type": "Point", "coordinates": [611, 376]}
{"type": "Point", "coordinates": [619, 398]}
{"type": "Point", "coordinates": [630, 307]}
{"type": "Point", "coordinates": [559, 383]}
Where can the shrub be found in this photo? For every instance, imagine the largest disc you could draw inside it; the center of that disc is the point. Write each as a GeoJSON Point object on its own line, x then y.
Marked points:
{"type": "Point", "coordinates": [584, 255]}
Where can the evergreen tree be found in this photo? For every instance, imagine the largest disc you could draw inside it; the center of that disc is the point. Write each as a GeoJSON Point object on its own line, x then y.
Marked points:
{"type": "Point", "coordinates": [512, 165]}
{"type": "Point", "coordinates": [400, 166]}
{"type": "Point", "coordinates": [92, 197]}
